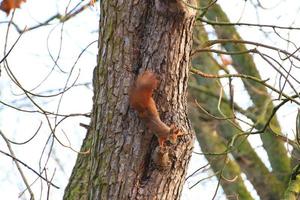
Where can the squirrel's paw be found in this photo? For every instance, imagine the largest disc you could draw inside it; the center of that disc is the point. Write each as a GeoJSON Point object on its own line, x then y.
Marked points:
{"type": "Point", "coordinates": [174, 133]}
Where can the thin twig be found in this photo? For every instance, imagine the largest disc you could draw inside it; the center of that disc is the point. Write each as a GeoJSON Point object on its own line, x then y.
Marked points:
{"type": "Point", "coordinates": [25, 165]}
{"type": "Point", "coordinates": [18, 166]}
{"type": "Point", "coordinates": [263, 82]}
{"type": "Point", "coordinates": [215, 23]}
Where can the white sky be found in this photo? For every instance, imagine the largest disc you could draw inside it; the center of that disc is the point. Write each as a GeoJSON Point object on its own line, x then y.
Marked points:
{"type": "Point", "coordinates": [30, 63]}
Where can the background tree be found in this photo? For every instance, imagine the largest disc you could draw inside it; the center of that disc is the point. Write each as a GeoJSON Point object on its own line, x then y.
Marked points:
{"type": "Point", "coordinates": [220, 132]}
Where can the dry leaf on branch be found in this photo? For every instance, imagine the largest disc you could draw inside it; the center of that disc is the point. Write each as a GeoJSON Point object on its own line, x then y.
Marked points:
{"type": "Point", "coordinates": [8, 5]}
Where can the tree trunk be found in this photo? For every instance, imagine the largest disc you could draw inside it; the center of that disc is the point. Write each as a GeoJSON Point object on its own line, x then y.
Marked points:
{"type": "Point", "coordinates": [135, 36]}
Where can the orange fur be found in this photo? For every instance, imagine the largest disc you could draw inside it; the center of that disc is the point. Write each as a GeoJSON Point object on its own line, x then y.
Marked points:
{"type": "Point", "coordinates": [141, 100]}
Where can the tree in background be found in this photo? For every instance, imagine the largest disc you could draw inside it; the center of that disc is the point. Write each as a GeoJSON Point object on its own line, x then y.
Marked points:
{"type": "Point", "coordinates": [119, 158]}
{"type": "Point", "coordinates": [217, 123]}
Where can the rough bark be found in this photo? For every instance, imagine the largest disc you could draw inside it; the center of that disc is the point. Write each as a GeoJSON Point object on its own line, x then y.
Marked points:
{"type": "Point", "coordinates": [135, 36]}
{"type": "Point", "coordinates": [78, 183]}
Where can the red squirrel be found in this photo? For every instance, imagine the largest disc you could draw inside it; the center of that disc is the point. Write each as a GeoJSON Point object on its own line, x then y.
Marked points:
{"type": "Point", "coordinates": [140, 97]}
